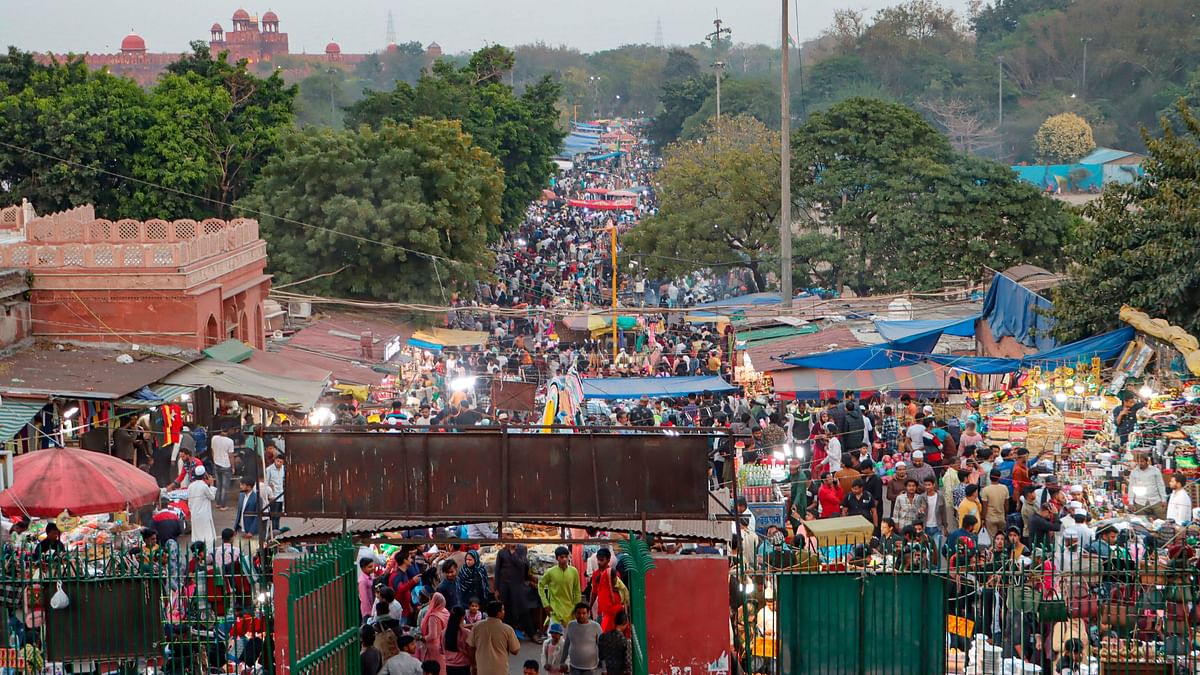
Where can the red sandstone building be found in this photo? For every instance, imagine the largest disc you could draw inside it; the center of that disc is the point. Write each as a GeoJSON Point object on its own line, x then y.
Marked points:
{"type": "Point", "coordinates": [186, 284]}
{"type": "Point", "coordinates": [250, 39]}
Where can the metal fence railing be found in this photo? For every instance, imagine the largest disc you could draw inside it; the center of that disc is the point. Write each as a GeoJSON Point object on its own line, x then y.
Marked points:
{"type": "Point", "coordinates": [323, 611]}
{"type": "Point", "coordinates": [1119, 605]}
{"type": "Point", "coordinates": [163, 609]}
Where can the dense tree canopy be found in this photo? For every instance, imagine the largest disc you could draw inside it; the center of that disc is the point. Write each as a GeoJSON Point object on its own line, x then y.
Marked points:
{"type": "Point", "coordinates": [719, 203]}
{"type": "Point", "coordinates": [375, 205]}
{"type": "Point", "coordinates": [896, 208]}
{"type": "Point", "coordinates": [739, 96]}
{"type": "Point", "coordinates": [78, 131]}
{"type": "Point", "coordinates": [1138, 245]}
{"type": "Point", "coordinates": [195, 142]}
{"type": "Point", "coordinates": [521, 132]}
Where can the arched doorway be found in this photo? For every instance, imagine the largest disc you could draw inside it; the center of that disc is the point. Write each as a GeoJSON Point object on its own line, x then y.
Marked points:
{"type": "Point", "coordinates": [212, 333]}
{"type": "Point", "coordinates": [243, 327]}
{"type": "Point", "coordinates": [259, 328]}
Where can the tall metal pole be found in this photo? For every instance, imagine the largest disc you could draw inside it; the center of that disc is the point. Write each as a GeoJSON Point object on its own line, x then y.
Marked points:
{"type": "Point", "coordinates": [1000, 93]}
{"type": "Point", "coordinates": [714, 39]}
{"type": "Point", "coordinates": [718, 66]}
{"type": "Point", "coordinates": [613, 229]}
{"type": "Point", "coordinates": [785, 172]}
{"type": "Point", "coordinates": [1083, 86]}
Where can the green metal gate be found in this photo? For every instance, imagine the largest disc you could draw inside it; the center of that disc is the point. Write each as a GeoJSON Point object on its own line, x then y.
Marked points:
{"type": "Point", "coordinates": [854, 623]}
{"type": "Point", "coordinates": [322, 605]}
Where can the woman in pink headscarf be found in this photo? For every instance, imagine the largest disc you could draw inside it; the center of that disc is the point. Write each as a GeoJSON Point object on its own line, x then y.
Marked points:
{"type": "Point", "coordinates": [433, 631]}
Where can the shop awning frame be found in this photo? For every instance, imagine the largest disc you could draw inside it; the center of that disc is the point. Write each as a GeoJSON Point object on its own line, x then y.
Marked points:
{"type": "Point", "coordinates": [16, 413]}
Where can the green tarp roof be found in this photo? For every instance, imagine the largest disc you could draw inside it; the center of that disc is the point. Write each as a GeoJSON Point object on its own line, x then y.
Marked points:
{"type": "Point", "coordinates": [229, 351]}
{"type": "Point", "coordinates": [776, 332]}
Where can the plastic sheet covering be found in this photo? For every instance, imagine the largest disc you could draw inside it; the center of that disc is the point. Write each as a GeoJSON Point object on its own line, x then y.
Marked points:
{"type": "Point", "coordinates": [1015, 311]}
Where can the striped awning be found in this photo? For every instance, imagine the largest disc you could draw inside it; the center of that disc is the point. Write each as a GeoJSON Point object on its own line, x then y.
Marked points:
{"type": "Point", "coordinates": [165, 392]}
{"type": "Point", "coordinates": [813, 383]}
{"type": "Point", "coordinates": [15, 414]}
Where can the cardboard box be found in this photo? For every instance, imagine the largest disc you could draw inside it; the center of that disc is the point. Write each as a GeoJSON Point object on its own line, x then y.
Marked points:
{"type": "Point", "coordinates": [838, 531]}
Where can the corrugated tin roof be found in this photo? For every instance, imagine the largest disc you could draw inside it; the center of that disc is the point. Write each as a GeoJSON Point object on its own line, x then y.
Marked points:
{"type": "Point", "coordinates": [87, 372]}
{"type": "Point", "coordinates": [835, 337]}
{"type": "Point", "coordinates": [342, 369]}
{"type": "Point", "coordinates": [165, 392]}
{"type": "Point", "coordinates": [1104, 156]}
{"type": "Point", "coordinates": [337, 334]}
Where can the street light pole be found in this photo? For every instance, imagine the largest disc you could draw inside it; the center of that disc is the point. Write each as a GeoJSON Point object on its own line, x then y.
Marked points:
{"type": "Point", "coordinates": [785, 172]}
{"type": "Point", "coordinates": [1083, 85]}
{"type": "Point", "coordinates": [719, 66]}
{"type": "Point", "coordinates": [1000, 93]}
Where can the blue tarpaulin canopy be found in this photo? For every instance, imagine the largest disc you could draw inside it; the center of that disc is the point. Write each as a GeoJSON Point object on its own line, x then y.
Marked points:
{"type": "Point", "coordinates": [606, 155]}
{"type": "Point", "coordinates": [892, 354]}
{"type": "Point", "coordinates": [898, 330]}
{"type": "Point", "coordinates": [613, 388]}
{"type": "Point", "coordinates": [1107, 346]}
{"type": "Point", "coordinates": [742, 300]}
{"type": "Point", "coordinates": [1013, 310]}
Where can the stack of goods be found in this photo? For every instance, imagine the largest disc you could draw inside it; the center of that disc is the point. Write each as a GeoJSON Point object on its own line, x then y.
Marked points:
{"type": "Point", "coordinates": [1046, 432]}
{"type": "Point", "coordinates": [999, 427]}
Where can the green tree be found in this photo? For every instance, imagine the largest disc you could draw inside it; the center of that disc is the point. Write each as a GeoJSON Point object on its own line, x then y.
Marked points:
{"type": "Point", "coordinates": [680, 66]}
{"type": "Point", "coordinates": [16, 70]}
{"type": "Point", "coordinates": [323, 97]}
{"type": "Point", "coordinates": [1135, 247]}
{"type": "Point", "coordinates": [680, 100]}
{"type": "Point", "coordinates": [240, 120]}
{"type": "Point", "coordinates": [1000, 18]}
{"type": "Point", "coordinates": [739, 96]}
{"type": "Point", "coordinates": [719, 203]}
{"type": "Point", "coordinates": [77, 131]}
{"type": "Point", "coordinates": [522, 132]}
{"type": "Point", "coordinates": [385, 203]}
{"type": "Point", "coordinates": [901, 210]}
{"type": "Point", "coordinates": [1063, 138]}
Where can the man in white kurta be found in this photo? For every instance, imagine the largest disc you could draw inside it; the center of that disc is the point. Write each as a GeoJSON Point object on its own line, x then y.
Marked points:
{"type": "Point", "coordinates": [201, 493]}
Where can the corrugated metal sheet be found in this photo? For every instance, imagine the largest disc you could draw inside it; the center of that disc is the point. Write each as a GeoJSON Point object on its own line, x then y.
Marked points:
{"type": "Point", "coordinates": [15, 414]}
{"type": "Point", "coordinates": [82, 373]}
{"type": "Point", "coordinates": [165, 392]}
{"type": "Point", "coordinates": [338, 334]}
{"type": "Point", "coordinates": [762, 354]}
{"type": "Point", "coordinates": [1104, 155]}
{"type": "Point", "coordinates": [238, 380]}
{"type": "Point", "coordinates": [485, 474]}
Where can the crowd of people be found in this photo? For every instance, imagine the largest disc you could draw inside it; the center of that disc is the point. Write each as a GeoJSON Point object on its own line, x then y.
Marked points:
{"type": "Point", "coordinates": [431, 610]}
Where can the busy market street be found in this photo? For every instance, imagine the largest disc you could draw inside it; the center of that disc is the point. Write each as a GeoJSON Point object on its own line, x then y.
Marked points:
{"type": "Point", "coordinates": [421, 358]}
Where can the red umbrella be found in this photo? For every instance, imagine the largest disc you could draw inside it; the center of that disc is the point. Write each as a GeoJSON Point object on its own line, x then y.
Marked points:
{"type": "Point", "coordinates": [81, 481]}
{"type": "Point", "coordinates": [548, 195]}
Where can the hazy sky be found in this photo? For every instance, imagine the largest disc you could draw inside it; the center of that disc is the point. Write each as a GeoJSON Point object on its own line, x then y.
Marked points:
{"type": "Point", "coordinates": [360, 25]}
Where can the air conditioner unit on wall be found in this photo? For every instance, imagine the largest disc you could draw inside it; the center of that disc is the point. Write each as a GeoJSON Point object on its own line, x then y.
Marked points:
{"type": "Point", "coordinates": [300, 310]}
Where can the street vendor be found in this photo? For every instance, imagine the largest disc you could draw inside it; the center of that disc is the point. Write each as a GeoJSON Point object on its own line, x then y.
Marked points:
{"type": "Point", "coordinates": [1125, 415]}
{"type": "Point", "coordinates": [1145, 489]}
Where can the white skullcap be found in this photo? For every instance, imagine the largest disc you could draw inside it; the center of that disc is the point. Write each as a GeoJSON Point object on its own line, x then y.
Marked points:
{"type": "Point", "coordinates": [200, 471]}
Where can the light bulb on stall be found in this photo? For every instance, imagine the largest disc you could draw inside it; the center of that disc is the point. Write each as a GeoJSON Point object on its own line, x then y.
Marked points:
{"type": "Point", "coordinates": [1079, 388]}
{"type": "Point", "coordinates": [1041, 386]}
{"type": "Point", "coordinates": [1145, 391]}
{"type": "Point", "coordinates": [787, 449]}
{"type": "Point", "coordinates": [1060, 397]}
